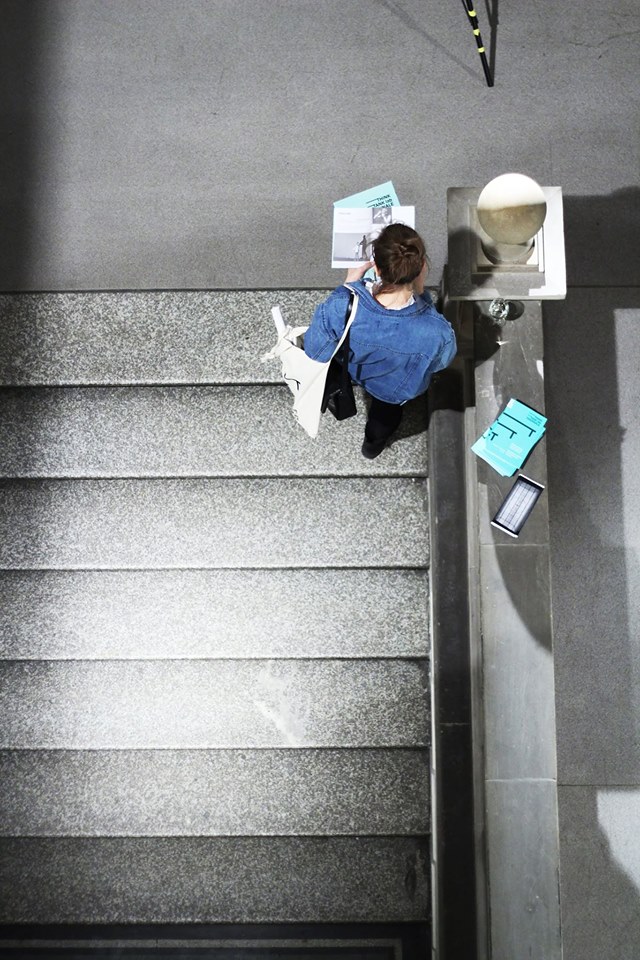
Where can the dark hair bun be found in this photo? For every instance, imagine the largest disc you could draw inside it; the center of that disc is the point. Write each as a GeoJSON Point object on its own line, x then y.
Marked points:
{"type": "Point", "coordinates": [399, 253]}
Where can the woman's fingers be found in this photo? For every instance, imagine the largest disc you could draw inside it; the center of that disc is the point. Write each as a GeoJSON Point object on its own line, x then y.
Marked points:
{"type": "Point", "coordinates": [357, 273]}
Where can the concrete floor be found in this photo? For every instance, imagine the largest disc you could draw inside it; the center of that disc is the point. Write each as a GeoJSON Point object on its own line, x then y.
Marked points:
{"type": "Point", "coordinates": [201, 144]}
{"type": "Point", "coordinates": [593, 352]}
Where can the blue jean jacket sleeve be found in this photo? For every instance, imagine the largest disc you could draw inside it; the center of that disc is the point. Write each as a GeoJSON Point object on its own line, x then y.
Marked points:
{"type": "Point", "coordinates": [319, 340]}
{"type": "Point", "coordinates": [441, 360]}
{"type": "Point", "coordinates": [448, 350]}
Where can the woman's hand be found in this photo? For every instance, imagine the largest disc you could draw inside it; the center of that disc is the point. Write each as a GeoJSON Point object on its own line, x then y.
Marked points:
{"type": "Point", "coordinates": [357, 273]}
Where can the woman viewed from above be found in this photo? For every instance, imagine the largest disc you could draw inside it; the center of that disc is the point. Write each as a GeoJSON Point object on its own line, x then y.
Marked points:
{"type": "Point", "coordinates": [397, 339]}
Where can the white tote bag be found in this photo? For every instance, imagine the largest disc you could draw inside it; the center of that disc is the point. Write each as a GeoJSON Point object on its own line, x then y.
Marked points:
{"type": "Point", "coordinates": [305, 377]}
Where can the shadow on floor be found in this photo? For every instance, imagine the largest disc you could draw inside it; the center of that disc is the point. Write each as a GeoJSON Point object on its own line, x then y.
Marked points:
{"type": "Point", "coordinates": [491, 7]}
{"type": "Point", "coordinates": [600, 901]}
{"type": "Point", "coordinates": [397, 12]}
{"type": "Point", "coordinates": [594, 568]}
{"type": "Point", "coordinates": [21, 46]}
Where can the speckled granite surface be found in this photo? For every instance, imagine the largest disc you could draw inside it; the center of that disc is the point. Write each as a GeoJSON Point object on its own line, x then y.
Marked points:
{"type": "Point", "coordinates": [245, 879]}
{"type": "Point", "coordinates": [190, 431]}
{"type": "Point", "coordinates": [213, 703]}
{"type": "Point", "coordinates": [51, 614]}
{"type": "Point", "coordinates": [142, 149]}
{"type": "Point", "coordinates": [196, 792]}
{"type": "Point", "coordinates": [210, 626]}
{"type": "Point", "coordinates": [145, 337]}
{"type": "Point", "coordinates": [213, 523]}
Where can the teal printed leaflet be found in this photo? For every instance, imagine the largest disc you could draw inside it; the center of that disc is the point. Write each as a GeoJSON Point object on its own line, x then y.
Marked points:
{"type": "Point", "coordinates": [507, 443]}
{"type": "Point", "coordinates": [381, 196]}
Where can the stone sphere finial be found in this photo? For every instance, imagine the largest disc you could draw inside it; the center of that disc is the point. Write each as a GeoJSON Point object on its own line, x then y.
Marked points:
{"type": "Point", "coordinates": [511, 210]}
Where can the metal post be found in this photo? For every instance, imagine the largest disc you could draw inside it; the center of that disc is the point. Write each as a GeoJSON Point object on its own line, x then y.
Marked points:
{"type": "Point", "coordinates": [468, 5]}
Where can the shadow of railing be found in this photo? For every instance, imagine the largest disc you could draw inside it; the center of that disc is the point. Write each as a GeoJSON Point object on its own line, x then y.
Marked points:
{"type": "Point", "coordinates": [21, 79]}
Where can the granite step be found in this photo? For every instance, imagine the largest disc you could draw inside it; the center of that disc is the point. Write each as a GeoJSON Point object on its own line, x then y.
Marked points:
{"type": "Point", "coordinates": [145, 337]}
{"type": "Point", "coordinates": [196, 704]}
{"type": "Point", "coordinates": [130, 523]}
{"type": "Point", "coordinates": [189, 431]}
{"type": "Point", "coordinates": [213, 629]}
{"type": "Point", "coordinates": [213, 879]}
{"type": "Point", "coordinates": [173, 614]}
{"type": "Point", "coordinates": [213, 792]}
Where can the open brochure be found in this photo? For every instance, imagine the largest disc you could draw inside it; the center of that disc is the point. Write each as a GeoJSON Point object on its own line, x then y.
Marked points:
{"type": "Point", "coordinates": [355, 229]}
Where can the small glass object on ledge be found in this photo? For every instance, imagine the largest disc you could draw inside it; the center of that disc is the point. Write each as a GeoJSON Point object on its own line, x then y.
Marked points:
{"type": "Point", "coordinates": [499, 310]}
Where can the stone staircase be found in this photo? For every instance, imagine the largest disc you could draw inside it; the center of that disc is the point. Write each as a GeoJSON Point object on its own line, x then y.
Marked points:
{"type": "Point", "coordinates": [214, 631]}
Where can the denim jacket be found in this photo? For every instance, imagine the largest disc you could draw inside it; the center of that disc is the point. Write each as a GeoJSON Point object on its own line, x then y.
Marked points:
{"type": "Point", "coordinates": [393, 353]}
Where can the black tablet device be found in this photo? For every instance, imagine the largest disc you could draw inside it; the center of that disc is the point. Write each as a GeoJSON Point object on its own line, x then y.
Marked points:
{"type": "Point", "coordinates": [517, 505]}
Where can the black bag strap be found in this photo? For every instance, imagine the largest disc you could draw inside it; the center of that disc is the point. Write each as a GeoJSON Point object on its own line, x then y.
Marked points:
{"type": "Point", "coordinates": [344, 349]}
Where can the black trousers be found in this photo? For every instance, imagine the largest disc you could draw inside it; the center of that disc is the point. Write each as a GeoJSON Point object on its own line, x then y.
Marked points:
{"type": "Point", "coordinates": [383, 420]}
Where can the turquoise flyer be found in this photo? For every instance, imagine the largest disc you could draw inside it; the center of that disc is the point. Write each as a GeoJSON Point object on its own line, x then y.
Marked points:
{"type": "Point", "coordinates": [508, 441]}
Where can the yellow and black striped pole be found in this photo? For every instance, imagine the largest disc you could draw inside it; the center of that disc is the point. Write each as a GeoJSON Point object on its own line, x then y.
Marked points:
{"type": "Point", "coordinates": [473, 18]}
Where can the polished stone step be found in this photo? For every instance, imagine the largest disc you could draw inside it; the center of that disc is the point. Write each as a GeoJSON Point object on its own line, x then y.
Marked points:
{"type": "Point", "coordinates": [172, 614]}
{"type": "Point", "coordinates": [350, 522]}
{"type": "Point", "coordinates": [189, 431]}
{"type": "Point", "coordinates": [214, 630]}
{"type": "Point", "coordinates": [196, 704]}
{"type": "Point", "coordinates": [213, 792]}
{"type": "Point", "coordinates": [145, 336]}
{"type": "Point", "coordinates": [208, 880]}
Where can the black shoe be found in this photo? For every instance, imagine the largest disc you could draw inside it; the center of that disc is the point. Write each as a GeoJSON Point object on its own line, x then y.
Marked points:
{"type": "Point", "coordinates": [371, 450]}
